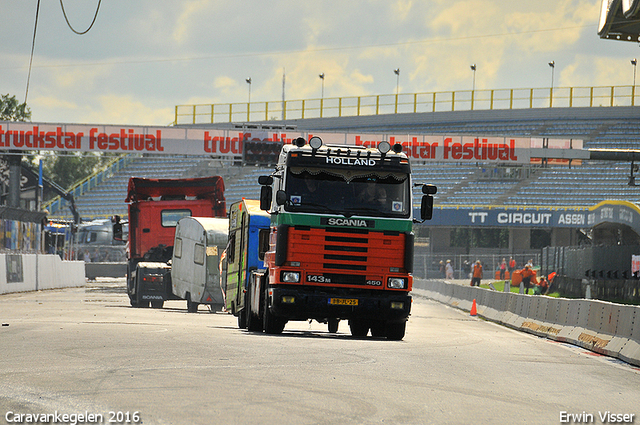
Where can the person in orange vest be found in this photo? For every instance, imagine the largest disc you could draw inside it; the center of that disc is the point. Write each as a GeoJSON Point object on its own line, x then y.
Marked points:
{"type": "Point", "coordinates": [477, 274]}
{"type": "Point", "coordinates": [526, 278]}
{"type": "Point", "coordinates": [544, 286]}
{"type": "Point", "coordinates": [512, 266]}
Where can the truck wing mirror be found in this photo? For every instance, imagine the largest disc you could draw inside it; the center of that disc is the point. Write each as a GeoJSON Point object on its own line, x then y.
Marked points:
{"type": "Point", "coordinates": [265, 198]}
{"type": "Point", "coordinates": [117, 228]}
{"type": "Point", "coordinates": [265, 180]}
{"type": "Point", "coordinates": [281, 197]}
{"type": "Point", "coordinates": [426, 207]}
{"type": "Point", "coordinates": [429, 189]}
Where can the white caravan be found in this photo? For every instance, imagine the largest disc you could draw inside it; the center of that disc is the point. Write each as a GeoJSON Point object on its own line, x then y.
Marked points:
{"type": "Point", "coordinates": [195, 269]}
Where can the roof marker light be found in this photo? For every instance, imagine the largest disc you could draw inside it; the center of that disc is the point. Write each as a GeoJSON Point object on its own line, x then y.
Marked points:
{"type": "Point", "coordinates": [315, 142]}
{"type": "Point", "coordinates": [300, 142]}
{"type": "Point", "coordinates": [384, 147]}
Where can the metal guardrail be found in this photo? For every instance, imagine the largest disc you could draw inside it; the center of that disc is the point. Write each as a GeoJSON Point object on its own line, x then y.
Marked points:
{"type": "Point", "coordinates": [524, 98]}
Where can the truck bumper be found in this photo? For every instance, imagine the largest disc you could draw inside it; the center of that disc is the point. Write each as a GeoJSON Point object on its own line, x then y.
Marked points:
{"type": "Point", "coordinates": [295, 303]}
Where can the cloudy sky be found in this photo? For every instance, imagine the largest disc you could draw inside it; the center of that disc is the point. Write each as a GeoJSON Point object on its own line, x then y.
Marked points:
{"type": "Point", "coordinates": [143, 57]}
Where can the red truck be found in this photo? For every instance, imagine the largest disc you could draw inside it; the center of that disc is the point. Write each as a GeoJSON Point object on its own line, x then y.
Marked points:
{"type": "Point", "coordinates": [155, 206]}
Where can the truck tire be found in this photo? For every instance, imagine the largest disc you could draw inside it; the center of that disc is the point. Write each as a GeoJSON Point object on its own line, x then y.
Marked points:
{"type": "Point", "coordinates": [242, 317]}
{"type": "Point", "coordinates": [271, 324]}
{"type": "Point", "coordinates": [192, 307]}
{"type": "Point", "coordinates": [359, 328]}
{"type": "Point", "coordinates": [333, 325]}
{"type": "Point", "coordinates": [254, 324]}
{"type": "Point", "coordinates": [378, 329]}
{"type": "Point", "coordinates": [395, 331]}
{"type": "Point", "coordinates": [157, 304]}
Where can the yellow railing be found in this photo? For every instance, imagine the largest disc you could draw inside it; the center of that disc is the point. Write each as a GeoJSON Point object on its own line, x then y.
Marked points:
{"type": "Point", "coordinates": [407, 103]}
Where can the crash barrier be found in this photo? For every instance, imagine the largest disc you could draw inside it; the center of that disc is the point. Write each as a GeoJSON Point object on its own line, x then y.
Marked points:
{"type": "Point", "coordinates": [93, 270]}
{"type": "Point", "coordinates": [602, 289]}
{"type": "Point", "coordinates": [32, 272]}
{"type": "Point", "coordinates": [600, 326]}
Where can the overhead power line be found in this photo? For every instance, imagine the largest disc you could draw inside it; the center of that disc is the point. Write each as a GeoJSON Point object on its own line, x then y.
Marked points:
{"type": "Point", "coordinates": [69, 23]}
{"type": "Point", "coordinates": [33, 46]}
{"type": "Point", "coordinates": [319, 49]}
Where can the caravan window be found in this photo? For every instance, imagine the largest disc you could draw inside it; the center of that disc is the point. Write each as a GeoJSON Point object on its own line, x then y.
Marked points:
{"type": "Point", "coordinates": [177, 249]}
{"type": "Point", "coordinates": [198, 254]}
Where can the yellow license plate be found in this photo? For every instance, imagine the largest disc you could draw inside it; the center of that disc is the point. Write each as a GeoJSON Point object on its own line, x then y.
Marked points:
{"type": "Point", "coordinates": [343, 301]}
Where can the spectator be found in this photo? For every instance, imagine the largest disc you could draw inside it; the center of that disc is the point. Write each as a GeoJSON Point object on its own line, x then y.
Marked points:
{"type": "Point", "coordinates": [443, 272]}
{"type": "Point", "coordinates": [477, 274]}
{"type": "Point", "coordinates": [526, 278]}
{"type": "Point", "coordinates": [542, 287]}
{"type": "Point", "coordinates": [449, 270]}
{"type": "Point", "coordinates": [512, 266]}
{"type": "Point", "coordinates": [503, 268]}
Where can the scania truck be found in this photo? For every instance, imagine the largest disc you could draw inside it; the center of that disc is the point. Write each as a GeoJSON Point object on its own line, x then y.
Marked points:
{"type": "Point", "coordinates": [155, 207]}
{"type": "Point", "coordinates": [340, 243]}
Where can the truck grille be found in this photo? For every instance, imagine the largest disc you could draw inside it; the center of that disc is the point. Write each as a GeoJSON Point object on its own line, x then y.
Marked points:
{"type": "Point", "coordinates": [365, 255]}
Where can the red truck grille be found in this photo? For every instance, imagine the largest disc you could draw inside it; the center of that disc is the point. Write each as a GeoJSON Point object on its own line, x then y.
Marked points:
{"type": "Point", "coordinates": [365, 256]}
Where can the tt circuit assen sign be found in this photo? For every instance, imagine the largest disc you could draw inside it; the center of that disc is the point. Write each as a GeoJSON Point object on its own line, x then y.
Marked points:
{"type": "Point", "coordinates": [16, 136]}
{"type": "Point", "coordinates": [620, 212]}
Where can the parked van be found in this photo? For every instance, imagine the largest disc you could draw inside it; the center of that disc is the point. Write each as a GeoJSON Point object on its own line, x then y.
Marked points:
{"type": "Point", "coordinates": [195, 267]}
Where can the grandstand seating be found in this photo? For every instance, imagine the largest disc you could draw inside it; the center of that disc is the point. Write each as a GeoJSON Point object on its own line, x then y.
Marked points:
{"type": "Point", "coordinates": [551, 185]}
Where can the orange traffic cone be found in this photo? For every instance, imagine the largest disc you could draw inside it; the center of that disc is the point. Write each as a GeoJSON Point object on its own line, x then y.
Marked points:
{"type": "Point", "coordinates": [474, 311]}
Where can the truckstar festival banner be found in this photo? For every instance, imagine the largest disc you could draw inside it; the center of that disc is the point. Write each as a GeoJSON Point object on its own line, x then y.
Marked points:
{"type": "Point", "coordinates": [16, 136]}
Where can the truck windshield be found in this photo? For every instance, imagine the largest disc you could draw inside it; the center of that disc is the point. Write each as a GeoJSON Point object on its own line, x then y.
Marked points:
{"type": "Point", "coordinates": [348, 193]}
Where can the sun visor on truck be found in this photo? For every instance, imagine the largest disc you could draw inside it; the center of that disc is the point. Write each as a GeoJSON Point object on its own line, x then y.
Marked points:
{"type": "Point", "coordinates": [202, 187]}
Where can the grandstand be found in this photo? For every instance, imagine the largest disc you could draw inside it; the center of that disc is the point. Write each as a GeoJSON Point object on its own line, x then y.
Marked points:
{"type": "Point", "coordinates": [470, 184]}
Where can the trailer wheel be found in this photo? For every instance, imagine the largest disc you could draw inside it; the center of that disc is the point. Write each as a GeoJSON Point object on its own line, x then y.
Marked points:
{"type": "Point", "coordinates": [242, 317]}
{"type": "Point", "coordinates": [333, 325]}
{"type": "Point", "coordinates": [395, 331]}
{"type": "Point", "coordinates": [359, 328]}
{"type": "Point", "coordinates": [192, 307]}
{"type": "Point", "coordinates": [253, 322]}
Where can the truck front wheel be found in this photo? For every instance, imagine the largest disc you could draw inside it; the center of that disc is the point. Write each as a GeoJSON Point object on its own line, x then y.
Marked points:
{"type": "Point", "coordinates": [333, 325]}
{"type": "Point", "coordinates": [359, 328]}
{"type": "Point", "coordinates": [395, 331]}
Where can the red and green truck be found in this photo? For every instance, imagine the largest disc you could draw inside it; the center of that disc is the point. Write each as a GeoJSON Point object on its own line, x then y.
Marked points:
{"type": "Point", "coordinates": [341, 242]}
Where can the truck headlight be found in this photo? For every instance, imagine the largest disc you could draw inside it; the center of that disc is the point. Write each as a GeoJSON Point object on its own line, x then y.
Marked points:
{"type": "Point", "coordinates": [291, 277]}
{"type": "Point", "coordinates": [396, 283]}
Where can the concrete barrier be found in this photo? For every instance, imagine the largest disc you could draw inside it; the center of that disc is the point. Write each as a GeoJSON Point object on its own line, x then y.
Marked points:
{"type": "Point", "coordinates": [32, 272]}
{"type": "Point", "coordinates": [599, 326]}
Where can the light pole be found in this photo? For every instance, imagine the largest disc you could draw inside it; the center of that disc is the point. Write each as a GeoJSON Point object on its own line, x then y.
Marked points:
{"type": "Point", "coordinates": [248, 80]}
{"type": "Point", "coordinates": [552, 64]}
{"type": "Point", "coordinates": [473, 68]}
{"type": "Point", "coordinates": [321, 94]}
{"type": "Point", "coordinates": [397, 72]}
{"type": "Point", "coordinates": [473, 84]}
{"type": "Point", "coordinates": [634, 62]}
{"type": "Point", "coordinates": [322, 78]}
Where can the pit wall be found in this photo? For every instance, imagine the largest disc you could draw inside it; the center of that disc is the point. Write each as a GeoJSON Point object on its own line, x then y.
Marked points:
{"type": "Point", "coordinates": [603, 327]}
{"type": "Point", "coordinates": [31, 272]}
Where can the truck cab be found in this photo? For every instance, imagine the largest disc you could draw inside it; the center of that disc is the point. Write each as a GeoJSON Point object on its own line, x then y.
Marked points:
{"type": "Point", "coordinates": [341, 240]}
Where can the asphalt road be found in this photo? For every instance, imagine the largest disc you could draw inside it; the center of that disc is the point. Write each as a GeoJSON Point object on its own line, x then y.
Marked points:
{"type": "Point", "coordinates": [85, 351]}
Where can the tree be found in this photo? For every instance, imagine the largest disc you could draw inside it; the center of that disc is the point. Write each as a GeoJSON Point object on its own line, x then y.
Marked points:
{"type": "Point", "coordinates": [67, 170]}
{"type": "Point", "coordinates": [11, 110]}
